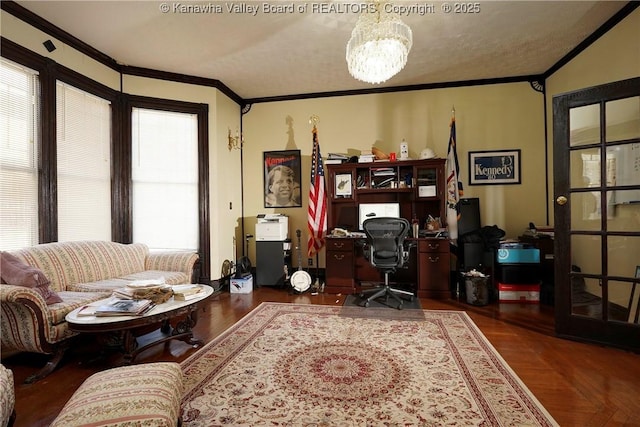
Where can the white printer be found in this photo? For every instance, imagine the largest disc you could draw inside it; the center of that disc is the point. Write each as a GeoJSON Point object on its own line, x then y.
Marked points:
{"type": "Point", "coordinates": [272, 227]}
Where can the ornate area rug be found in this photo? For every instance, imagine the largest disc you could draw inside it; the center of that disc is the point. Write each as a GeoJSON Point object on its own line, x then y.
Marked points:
{"type": "Point", "coordinates": [306, 365]}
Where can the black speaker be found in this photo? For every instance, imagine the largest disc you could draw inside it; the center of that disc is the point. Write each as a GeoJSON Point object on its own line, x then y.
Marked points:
{"type": "Point", "coordinates": [270, 263]}
{"type": "Point", "coordinates": [469, 216]}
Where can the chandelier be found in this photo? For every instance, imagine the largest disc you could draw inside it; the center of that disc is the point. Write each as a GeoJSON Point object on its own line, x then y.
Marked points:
{"type": "Point", "coordinates": [379, 46]}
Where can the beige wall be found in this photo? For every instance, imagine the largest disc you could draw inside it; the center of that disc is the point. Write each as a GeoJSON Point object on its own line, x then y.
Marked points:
{"type": "Point", "coordinates": [32, 39]}
{"type": "Point", "coordinates": [492, 117]}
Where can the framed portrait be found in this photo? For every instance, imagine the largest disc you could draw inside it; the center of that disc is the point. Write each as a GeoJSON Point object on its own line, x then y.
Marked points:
{"type": "Point", "coordinates": [494, 167]}
{"type": "Point", "coordinates": [343, 185]}
{"type": "Point", "coordinates": [282, 179]}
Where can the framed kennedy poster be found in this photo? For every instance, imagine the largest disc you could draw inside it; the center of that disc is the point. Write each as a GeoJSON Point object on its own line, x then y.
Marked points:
{"type": "Point", "coordinates": [494, 167]}
{"type": "Point", "coordinates": [282, 179]}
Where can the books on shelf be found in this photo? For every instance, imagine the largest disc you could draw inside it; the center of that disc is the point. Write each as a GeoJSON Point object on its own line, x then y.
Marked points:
{"type": "Point", "coordinates": [383, 172]}
{"type": "Point", "coordinates": [123, 307]}
{"type": "Point", "coordinates": [365, 158]}
{"type": "Point", "coordinates": [333, 161]}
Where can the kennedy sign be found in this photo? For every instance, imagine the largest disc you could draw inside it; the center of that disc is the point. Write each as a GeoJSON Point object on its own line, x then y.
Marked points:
{"type": "Point", "coordinates": [494, 167]}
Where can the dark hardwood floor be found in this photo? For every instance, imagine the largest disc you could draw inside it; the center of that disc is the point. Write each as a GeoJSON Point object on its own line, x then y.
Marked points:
{"type": "Point", "coordinates": [579, 384]}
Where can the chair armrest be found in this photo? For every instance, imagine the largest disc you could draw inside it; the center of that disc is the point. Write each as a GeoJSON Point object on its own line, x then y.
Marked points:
{"type": "Point", "coordinates": [22, 294]}
{"type": "Point", "coordinates": [409, 244]}
{"type": "Point", "coordinates": [182, 261]}
{"type": "Point", "coordinates": [29, 309]}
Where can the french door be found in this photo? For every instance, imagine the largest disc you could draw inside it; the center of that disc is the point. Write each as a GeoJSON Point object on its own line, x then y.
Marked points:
{"type": "Point", "coordinates": [597, 213]}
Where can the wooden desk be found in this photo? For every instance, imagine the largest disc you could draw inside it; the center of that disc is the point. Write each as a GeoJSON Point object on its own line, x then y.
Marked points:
{"type": "Point", "coordinates": [428, 268]}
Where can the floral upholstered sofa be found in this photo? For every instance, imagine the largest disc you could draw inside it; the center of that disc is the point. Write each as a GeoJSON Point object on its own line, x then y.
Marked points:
{"type": "Point", "coordinates": [70, 275]}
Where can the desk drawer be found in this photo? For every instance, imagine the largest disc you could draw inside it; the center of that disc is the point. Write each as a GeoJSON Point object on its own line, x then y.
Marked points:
{"type": "Point", "coordinates": [339, 272]}
{"type": "Point", "coordinates": [433, 245]}
{"type": "Point", "coordinates": [345, 245]}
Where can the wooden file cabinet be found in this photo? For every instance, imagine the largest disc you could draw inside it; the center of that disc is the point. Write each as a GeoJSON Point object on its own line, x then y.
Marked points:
{"type": "Point", "coordinates": [340, 273]}
{"type": "Point", "coordinates": [433, 268]}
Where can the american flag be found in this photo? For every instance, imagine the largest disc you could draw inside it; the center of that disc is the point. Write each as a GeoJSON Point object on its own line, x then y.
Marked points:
{"type": "Point", "coordinates": [454, 186]}
{"type": "Point", "coordinates": [317, 216]}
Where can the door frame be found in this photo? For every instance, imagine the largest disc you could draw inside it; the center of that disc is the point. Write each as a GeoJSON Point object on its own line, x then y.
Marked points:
{"type": "Point", "coordinates": [568, 325]}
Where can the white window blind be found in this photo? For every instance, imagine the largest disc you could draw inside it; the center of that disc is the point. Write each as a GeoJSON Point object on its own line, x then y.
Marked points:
{"type": "Point", "coordinates": [19, 123]}
{"type": "Point", "coordinates": [165, 179]}
{"type": "Point", "coordinates": [84, 165]}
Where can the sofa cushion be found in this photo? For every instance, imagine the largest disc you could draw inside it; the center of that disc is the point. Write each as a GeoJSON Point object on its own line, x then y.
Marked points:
{"type": "Point", "coordinates": [15, 272]}
{"type": "Point", "coordinates": [71, 301]}
{"type": "Point", "coordinates": [140, 395]}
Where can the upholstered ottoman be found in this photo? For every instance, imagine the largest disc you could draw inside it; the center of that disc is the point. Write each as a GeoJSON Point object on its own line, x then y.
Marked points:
{"type": "Point", "coordinates": [7, 397]}
{"type": "Point", "coordinates": [137, 395]}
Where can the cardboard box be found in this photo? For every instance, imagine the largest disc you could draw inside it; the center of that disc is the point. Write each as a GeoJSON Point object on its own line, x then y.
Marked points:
{"type": "Point", "coordinates": [241, 286]}
{"type": "Point", "coordinates": [529, 294]}
{"type": "Point", "coordinates": [518, 256]}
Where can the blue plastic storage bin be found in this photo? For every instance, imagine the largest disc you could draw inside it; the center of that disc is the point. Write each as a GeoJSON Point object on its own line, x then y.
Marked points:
{"type": "Point", "coordinates": [518, 256]}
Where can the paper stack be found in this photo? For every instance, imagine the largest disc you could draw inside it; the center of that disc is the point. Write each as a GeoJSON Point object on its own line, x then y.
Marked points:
{"type": "Point", "coordinates": [186, 292]}
{"type": "Point", "coordinates": [336, 158]}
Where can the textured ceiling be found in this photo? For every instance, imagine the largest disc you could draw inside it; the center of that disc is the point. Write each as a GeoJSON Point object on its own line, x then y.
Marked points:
{"type": "Point", "coordinates": [258, 54]}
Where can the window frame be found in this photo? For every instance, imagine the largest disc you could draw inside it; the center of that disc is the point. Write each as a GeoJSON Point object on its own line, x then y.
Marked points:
{"type": "Point", "coordinates": [121, 104]}
{"type": "Point", "coordinates": [202, 113]}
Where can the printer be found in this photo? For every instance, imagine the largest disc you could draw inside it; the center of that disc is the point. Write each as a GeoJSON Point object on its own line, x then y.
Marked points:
{"type": "Point", "coordinates": [272, 227]}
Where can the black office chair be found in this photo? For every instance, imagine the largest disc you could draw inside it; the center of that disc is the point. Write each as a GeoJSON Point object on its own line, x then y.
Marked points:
{"type": "Point", "coordinates": [385, 250]}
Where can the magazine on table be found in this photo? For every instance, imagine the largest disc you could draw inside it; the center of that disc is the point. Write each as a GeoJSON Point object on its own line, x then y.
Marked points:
{"type": "Point", "coordinates": [124, 307]}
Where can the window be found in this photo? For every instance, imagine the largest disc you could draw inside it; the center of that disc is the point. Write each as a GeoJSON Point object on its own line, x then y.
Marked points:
{"type": "Point", "coordinates": [165, 179]}
{"type": "Point", "coordinates": [19, 123]}
{"type": "Point", "coordinates": [84, 165]}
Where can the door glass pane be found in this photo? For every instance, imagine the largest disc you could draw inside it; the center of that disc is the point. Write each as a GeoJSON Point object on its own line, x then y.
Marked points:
{"type": "Point", "coordinates": [586, 297]}
{"type": "Point", "coordinates": [585, 211]}
{"type": "Point", "coordinates": [586, 253]}
{"type": "Point", "coordinates": [625, 211]}
{"type": "Point", "coordinates": [623, 119]}
{"type": "Point", "coordinates": [623, 301]}
{"type": "Point", "coordinates": [584, 125]}
{"type": "Point", "coordinates": [624, 161]}
{"type": "Point", "coordinates": [585, 168]}
{"type": "Point", "coordinates": [623, 255]}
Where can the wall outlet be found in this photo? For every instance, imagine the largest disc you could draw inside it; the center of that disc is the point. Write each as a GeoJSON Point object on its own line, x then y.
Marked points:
{"type": "Point", "coordinates": [310, 262]}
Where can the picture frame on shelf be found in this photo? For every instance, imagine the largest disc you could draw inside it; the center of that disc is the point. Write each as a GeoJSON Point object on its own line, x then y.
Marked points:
{"type": "Point", "coordinates": [496, 167]}
{"type": "Point", "coordinates": [344, 185]}
{"type": "Point", "coordinates": [282, 177]}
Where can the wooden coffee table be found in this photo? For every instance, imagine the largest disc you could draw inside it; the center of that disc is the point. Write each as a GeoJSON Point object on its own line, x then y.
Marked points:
{"type": "Point", "coordinates": [134, 334]}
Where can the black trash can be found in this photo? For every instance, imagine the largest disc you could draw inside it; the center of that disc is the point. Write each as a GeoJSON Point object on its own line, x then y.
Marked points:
{"type": "Point", "coordinates": [477, 290]}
